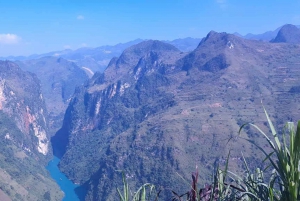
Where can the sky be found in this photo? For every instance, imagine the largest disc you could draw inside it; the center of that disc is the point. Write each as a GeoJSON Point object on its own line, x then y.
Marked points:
{"type": "Point", "coordinates": [39, 26]}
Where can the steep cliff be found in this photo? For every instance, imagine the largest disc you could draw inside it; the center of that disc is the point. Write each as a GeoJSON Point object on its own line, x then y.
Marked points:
{"type": "Point", "coordinates": [59, 78]}
{"type": "Point", "coordinates": [25, 144]}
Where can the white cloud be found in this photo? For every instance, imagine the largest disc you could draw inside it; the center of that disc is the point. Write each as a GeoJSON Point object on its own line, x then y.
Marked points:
{"type": "Point", "coordinates": [9, 38]}
{"type": "Point", "coordinates": [80, 17]}
{"type": "Point", "coordinates": [84, 45]}
{"type": "Point", "coordinates": [222, 3]}
{"type": "Point", "coordinates": [67, 47]}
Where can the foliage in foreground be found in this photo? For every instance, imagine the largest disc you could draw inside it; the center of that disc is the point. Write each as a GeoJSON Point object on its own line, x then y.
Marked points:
{"type": "Point", "coordinates": [284, 159]}
{"type": "Point", "coordinates": [283, 166]}
{"type": "Point", "coordinates": [145, 192]}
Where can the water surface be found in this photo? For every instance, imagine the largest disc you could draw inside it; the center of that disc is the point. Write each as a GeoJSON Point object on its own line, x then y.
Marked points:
{"type": "Point", "coordinates": [66, 185]}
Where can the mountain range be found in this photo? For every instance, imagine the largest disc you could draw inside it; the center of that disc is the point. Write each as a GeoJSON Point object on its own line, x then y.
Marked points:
{"type": "Point", "coordinates": [97, 59]}
{"type": "Point", "coordinates": [156, 112]}
{"type": "Point", "coordinates": [61, 71]}
{"type": "Point", "coordinates": [266, 36]}
{"type": "Point", "coordinates": [153, 109]}
{"type": "Point", "coordinates": [45, 91]}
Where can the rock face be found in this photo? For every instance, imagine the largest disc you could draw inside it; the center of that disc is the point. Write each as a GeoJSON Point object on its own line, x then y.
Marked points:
{"type": "Point", "coordinates": [24, 136]}
{"type": "Point", "coordinates": [156, 111]}
{"type": "Point", "coordinates": [59, 79]}
{"type": "Point", "coordinates": [288, 34]}
{"type": "Point", "coordinates": [21, 100]}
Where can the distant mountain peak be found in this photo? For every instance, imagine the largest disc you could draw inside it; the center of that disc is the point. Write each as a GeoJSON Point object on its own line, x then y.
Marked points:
{"type": "Point", "coordinates": [221, 39]}
{"type": "Point", "coordinates": [185, 44]}
{"type": "Point", "coordinates": [134, 53]}
{"type": "Point", "coordinates": [288, 34]}
{"type": "Point", "coordinates": [153, 45]}
{"type": "Point", "coordinates": [213, 34]}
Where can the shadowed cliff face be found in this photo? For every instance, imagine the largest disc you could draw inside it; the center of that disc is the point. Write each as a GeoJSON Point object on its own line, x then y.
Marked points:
{"type": "Point", "coordinates": [25, 146]}
{"type": "Point", "coordinates": [156, 112]}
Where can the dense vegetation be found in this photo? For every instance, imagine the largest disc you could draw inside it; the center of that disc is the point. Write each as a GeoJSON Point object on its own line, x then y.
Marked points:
{"type": "Point", "coordinates": [282, 182]}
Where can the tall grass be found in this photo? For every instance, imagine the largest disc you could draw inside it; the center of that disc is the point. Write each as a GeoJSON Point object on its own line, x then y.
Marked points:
{"type": "Point", "coordinates": [284, 159]}
{"type": "Point", "coordinates": [146, 192]}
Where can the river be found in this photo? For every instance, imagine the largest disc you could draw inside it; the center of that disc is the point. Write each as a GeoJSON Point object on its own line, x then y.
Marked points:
{"type": "Point", "coordinates": [66, 185]}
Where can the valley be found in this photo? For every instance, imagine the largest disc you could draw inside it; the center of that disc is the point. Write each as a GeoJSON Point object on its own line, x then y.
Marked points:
{"type": "Point", "coordinates": [54, 81]}
{"type": "Point", "coordinates": [153, 109]}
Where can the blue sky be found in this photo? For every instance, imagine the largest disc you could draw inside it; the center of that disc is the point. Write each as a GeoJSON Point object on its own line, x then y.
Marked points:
{"type": "Point", "coordinates": [39, 26]}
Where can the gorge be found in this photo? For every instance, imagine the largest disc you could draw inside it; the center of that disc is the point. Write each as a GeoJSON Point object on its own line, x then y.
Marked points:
{"type": "Point", "coordinates": [154, 112]}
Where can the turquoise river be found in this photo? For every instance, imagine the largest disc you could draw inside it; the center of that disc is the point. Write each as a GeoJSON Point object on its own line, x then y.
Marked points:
{"type": "Point", "coordinates": [66, 185]}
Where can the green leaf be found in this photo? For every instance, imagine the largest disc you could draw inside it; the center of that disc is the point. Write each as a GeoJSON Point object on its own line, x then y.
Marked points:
{"type": "Point", "coordinates": [273, 130]}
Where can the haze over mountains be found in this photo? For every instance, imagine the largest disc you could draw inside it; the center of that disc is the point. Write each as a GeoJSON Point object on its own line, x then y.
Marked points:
{"type": "Point", "coordinates": [267, 36]}
{"type": "Point", "coordinates": [97, 59]}
{"type": "Point", "coordinates": [151, 108]}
